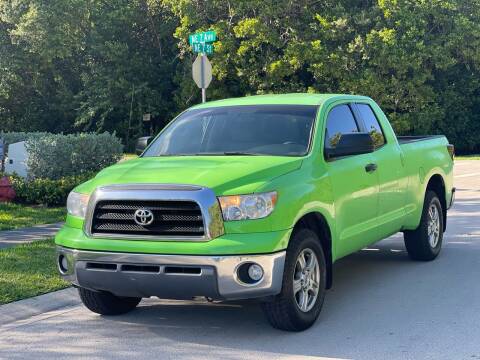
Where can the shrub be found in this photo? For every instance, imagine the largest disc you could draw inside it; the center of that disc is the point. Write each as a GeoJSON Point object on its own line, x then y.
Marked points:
{"type": "Point", "coordinates": [13, 137]}
{"type": "Point", "coordinates": [54, 156]}
{"type": "Point", "coordinates": [46, 191]}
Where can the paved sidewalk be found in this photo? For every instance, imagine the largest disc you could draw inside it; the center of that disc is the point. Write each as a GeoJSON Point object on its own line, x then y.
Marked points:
{"type": "Point", "coordinates": [12, 314]}
{"type": "Point", "coordinates": [11, 238]}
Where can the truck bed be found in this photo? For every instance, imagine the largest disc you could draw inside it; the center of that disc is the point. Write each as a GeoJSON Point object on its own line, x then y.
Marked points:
{"type": "Point", "coordinates": [409, 139]}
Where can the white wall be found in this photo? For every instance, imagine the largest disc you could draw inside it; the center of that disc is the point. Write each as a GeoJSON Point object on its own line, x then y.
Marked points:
{"type": "Point", "coordinates": [16, 161]}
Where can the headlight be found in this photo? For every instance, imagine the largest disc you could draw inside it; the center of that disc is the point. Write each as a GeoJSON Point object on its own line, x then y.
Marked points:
{"type": "Point", "coordinates": [243, 207]}
{"type": "Point", "coordinates": [77, 204]}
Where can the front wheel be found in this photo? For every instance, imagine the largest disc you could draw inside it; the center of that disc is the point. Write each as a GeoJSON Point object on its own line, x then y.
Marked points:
{"type": "Point", "coordinates": [304, 285]}
{"type": "Point", "coordinates": [425, 242]}
{"type": "Point", "coordinates": [105, 303]}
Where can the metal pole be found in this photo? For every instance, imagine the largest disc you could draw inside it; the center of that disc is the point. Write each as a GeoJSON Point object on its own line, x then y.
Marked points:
{"type": "Point", "coordinates": [127, 140]}
{"type": "Point", "coordinates": [202, 76]}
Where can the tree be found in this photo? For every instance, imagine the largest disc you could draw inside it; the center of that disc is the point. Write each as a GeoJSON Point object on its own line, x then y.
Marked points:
{"type": "Point", "coordinates": [86, 65]}
{"type": "Point", "coordinates": [418, 59]}
{"type": "Point", "coordinates": [95, 65]}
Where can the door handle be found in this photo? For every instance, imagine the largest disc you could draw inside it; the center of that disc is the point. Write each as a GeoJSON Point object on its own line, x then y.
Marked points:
{"type": "Point", "coordinates": [370, 167]}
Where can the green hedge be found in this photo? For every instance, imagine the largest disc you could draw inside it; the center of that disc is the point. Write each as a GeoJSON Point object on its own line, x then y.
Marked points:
{"type": "Point", "coordinates": [46, 191]}
{"type": "Point", "coordinates": [54, 156]}
{"type": "Point", "coordinates": [13, 137]}
{"type": "Point", "coordinates": [58, 163]}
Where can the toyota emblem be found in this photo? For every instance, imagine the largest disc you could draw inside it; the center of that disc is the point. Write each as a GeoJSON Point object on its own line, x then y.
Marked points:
{"type": "Point", "coordinates": [143, 217]}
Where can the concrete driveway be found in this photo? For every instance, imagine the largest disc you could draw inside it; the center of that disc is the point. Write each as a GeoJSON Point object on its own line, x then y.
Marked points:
{"type": "Point", "coordinates": [382, 306]}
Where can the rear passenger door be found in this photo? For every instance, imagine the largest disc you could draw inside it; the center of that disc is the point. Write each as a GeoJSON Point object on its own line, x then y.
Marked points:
{"type": "Point", "coordinates": [387, 158]}
{"type": "Point", "coordinates": [355, 190]}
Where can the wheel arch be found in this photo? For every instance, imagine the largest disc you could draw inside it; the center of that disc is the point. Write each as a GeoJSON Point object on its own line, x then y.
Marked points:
{"type": "Point", "coordinates": [316, 222]}
{"type": "Point", "coordinates": [436, 183]}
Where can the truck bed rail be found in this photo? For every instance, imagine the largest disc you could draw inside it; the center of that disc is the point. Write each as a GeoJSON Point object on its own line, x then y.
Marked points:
{"type": "Point", "coordinates": [409, 139]}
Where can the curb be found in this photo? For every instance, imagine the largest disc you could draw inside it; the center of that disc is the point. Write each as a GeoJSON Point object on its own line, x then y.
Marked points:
{"type": "Point", "coordinates": [23, 309]}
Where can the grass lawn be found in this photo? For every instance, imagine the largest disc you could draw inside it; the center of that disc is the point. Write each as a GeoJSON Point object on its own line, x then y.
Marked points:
{"type": "Point", "coordinates": [28, 270]}
{"type": "Point", "coordinates": [14, 216]}
{"type": "Point", "coordinates": [467, 157]}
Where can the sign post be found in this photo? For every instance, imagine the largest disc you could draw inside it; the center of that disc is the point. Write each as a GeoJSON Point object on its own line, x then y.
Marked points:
{"type": "Point", "coordinates": [2, 154]}
{"type": "Point", "coordinates": [202, 43]}
{"type": "Point", "coordinates": [202, 73]}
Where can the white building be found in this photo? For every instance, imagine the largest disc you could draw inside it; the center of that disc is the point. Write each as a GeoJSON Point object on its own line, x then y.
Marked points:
{"type": "Point", "coordinates": [16, 161]}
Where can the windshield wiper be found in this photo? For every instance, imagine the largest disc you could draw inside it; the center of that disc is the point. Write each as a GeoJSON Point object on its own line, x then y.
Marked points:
{"type": "Point", "coordinates": [220, 153]}
{"type": "Point", "coordinates": [228, 153]}
{"type": "Point", "coordinates": [232, 153]}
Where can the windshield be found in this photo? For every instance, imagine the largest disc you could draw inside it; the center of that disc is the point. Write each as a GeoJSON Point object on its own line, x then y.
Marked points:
{"type": "Point", "coordinates": [281, 130]}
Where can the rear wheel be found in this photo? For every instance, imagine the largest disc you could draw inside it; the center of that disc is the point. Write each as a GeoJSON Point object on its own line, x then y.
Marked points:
{"type": "Point", "coordinates": [425, 242]}
{"type": "Point", "coordinates": [304, 285]}
{"type": "Point", "coordinates": [105, 303]}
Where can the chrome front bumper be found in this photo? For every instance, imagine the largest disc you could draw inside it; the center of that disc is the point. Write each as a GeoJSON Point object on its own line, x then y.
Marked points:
{"type": "Point", "coordinates": [171, 276]}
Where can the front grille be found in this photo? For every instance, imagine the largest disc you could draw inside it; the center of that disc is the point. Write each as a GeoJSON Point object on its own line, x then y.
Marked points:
{"type": "Point", "coordinates": [171, 218]}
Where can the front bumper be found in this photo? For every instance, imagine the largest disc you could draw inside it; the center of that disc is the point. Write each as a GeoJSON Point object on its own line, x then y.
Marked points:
{"type": "Point", "coordinates": [171, 276]}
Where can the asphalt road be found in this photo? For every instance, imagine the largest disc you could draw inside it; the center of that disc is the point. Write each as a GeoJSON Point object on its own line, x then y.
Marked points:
{"type": "Point", "coordinates": [382, 306]}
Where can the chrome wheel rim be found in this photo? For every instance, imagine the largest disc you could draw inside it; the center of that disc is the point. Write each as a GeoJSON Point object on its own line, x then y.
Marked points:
{"type": "Point", "coordinates": [433, 227]}
{"type": "Point", "coordinates": [306, 280]}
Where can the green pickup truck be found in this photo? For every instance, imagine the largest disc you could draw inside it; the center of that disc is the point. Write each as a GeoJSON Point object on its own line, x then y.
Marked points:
{"type": "Point", "coordinates": [254, 197]}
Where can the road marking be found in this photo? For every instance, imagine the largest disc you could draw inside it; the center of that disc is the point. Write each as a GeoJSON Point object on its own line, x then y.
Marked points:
{"type": "Point", "coordinates": [467, 175]}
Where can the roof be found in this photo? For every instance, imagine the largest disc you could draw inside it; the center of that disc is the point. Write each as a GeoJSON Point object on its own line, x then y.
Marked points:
{"type": "Point", "coordinates": [285, 99]}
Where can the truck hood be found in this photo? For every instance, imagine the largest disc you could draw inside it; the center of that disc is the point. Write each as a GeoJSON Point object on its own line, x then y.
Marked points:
{"type": "Point", "coordinates": [226, 175]}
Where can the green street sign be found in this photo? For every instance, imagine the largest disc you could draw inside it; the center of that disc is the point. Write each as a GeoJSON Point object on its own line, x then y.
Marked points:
{"type": "Point", "coordinates": [202, 48]}
{"type": "Point", "coordinates": [202, 43]}
{"type": "Point", "coordinates": [202, 38]}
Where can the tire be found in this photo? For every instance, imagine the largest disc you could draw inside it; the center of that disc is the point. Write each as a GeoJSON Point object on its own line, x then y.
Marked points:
{"type": "Point", "coordinates": [105, 303]}
{"type": "Point", "coordinates": [420, 245]}
{"type": "Point", "coordinates": [284, 312]}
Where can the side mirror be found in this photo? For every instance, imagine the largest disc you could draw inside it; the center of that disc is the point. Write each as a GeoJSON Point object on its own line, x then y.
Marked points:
{"type": "Point", "coordinates": [351, 144]}
{"type": "Point", "coordinates": [142, 144]}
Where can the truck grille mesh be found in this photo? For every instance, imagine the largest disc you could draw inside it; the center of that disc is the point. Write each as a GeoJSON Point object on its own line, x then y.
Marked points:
{"type": "Point", "coordinates": [171, 218]}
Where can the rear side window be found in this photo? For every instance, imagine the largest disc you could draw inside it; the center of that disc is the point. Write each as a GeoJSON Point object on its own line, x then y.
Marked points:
{"type": "Point", "coordinates": [340, 121]}
{"type": "Point", "coordinates": [371, 124]}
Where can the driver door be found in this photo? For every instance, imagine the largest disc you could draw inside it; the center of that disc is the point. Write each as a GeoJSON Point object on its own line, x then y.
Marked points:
{"type": "Point", "coordinates": [354, 186]}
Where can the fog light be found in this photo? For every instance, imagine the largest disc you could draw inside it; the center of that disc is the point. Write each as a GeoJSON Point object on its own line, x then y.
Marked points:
{"type": "Point", "coordinates": [249, 273]}
{"type": "Point", "coordinates": [63, 264]}
{"type": "Point", "coordinates": [255, 272]}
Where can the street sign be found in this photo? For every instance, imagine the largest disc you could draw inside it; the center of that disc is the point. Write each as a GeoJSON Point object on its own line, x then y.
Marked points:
{"type": "Point", "coordinates": [202, 48]}
{"type": "Point", "coordinates": [203, 37]}
{"type": "Point", "coordinates": [202, 73]}
{"type": "Point", "coordinates": [147, 117]}
{"type": "Point", "coordinates": [201, 43]}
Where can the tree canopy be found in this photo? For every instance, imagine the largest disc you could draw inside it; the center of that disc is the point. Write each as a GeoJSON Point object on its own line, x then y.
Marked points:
{"type": "Point", "coordinates": [96, 65]}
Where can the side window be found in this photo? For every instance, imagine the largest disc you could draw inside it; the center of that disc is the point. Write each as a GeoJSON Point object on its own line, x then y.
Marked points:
{"type": "Point", "coordinates": [340, 121]}
{"type": "Point", "coordinates": [371, 124]}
